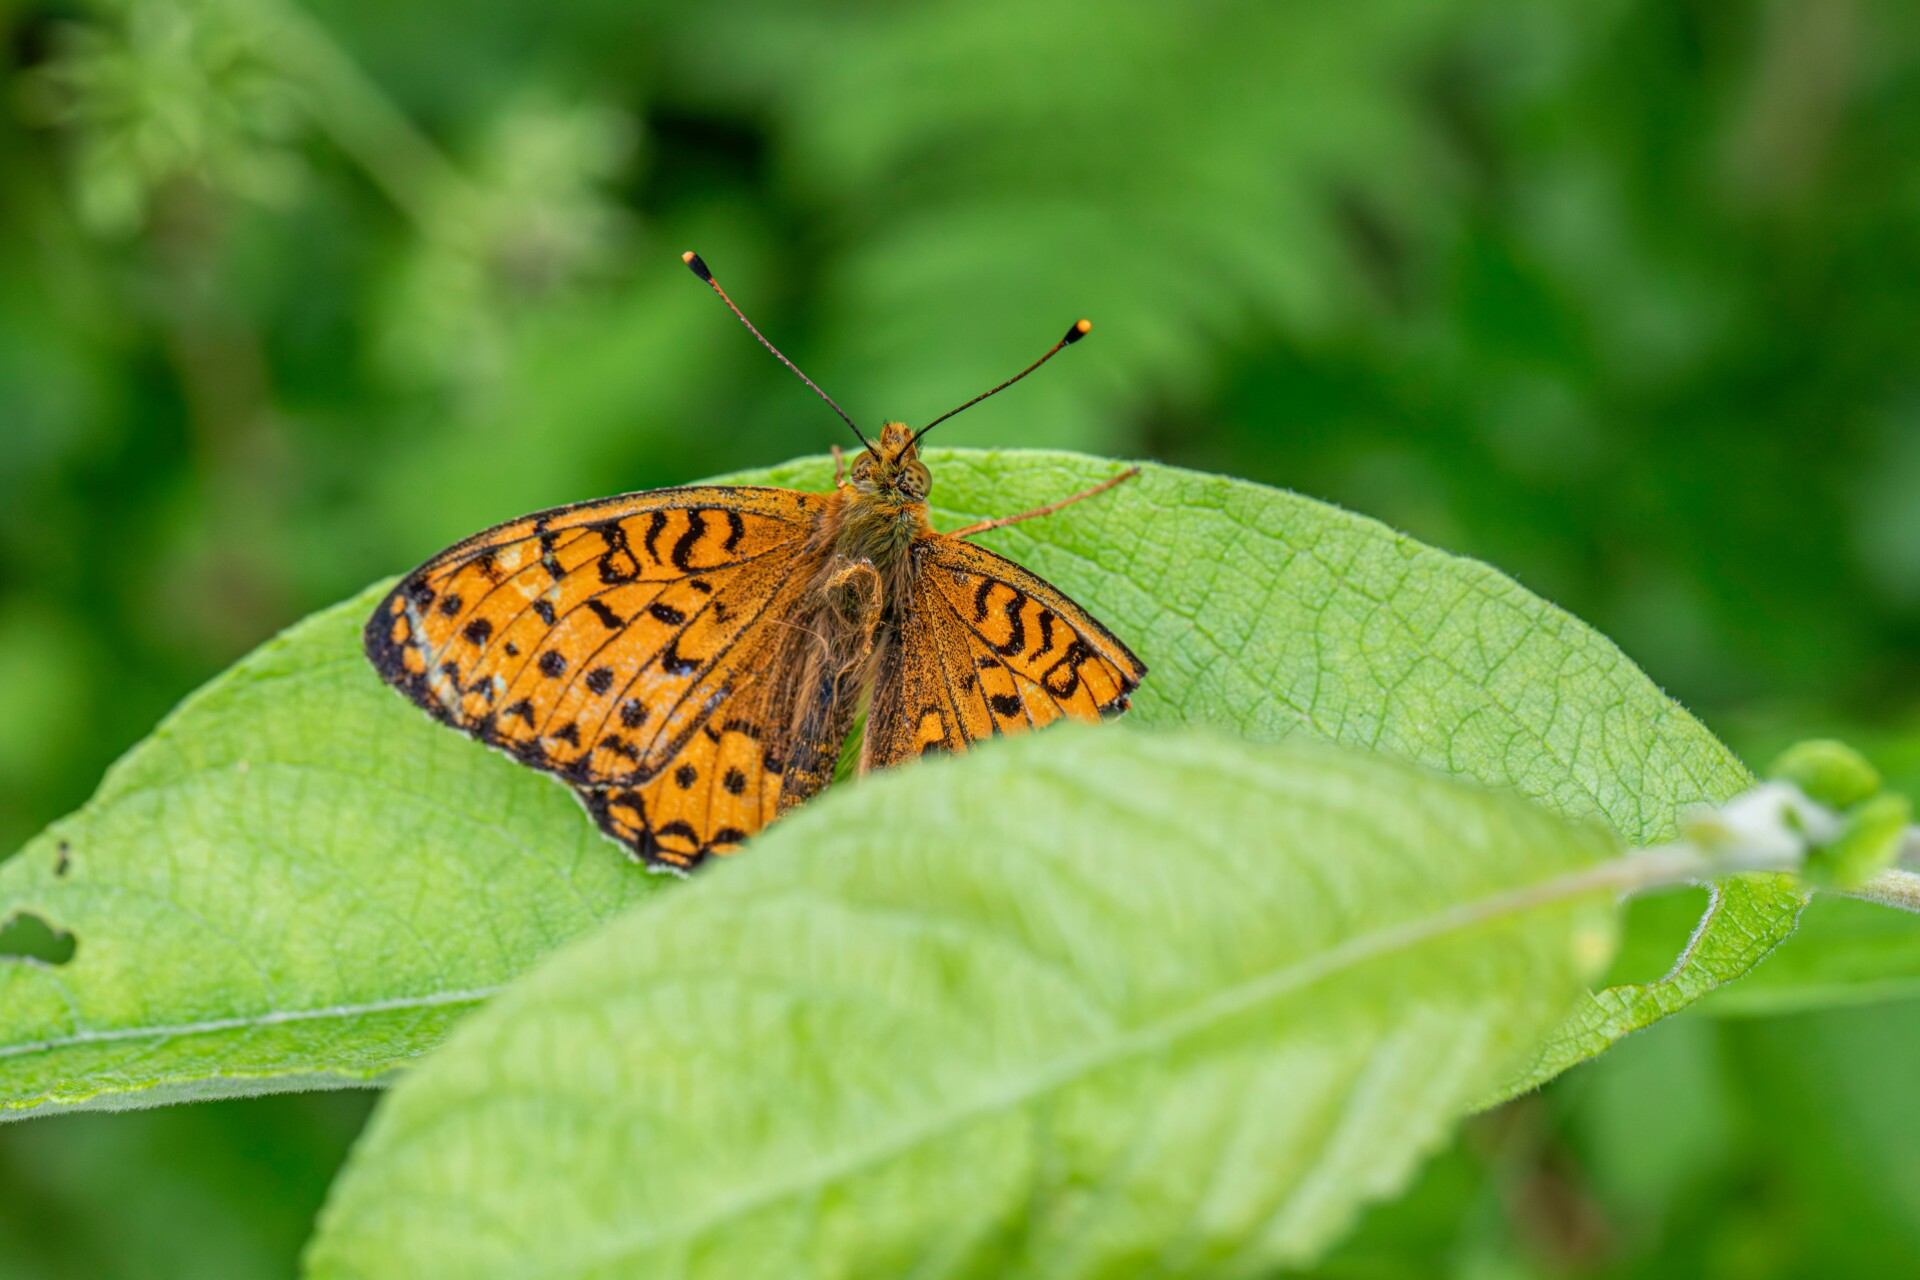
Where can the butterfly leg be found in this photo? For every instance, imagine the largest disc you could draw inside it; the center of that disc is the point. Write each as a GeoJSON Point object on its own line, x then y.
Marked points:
{"type": "Point", "coordinates": [839, 464]}
{"type": "Point", "coordinates": [1047, 510]}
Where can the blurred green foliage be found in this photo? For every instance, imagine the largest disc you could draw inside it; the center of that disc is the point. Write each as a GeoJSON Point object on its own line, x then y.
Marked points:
{"type": "Point", "coordinates": [1616, 295]}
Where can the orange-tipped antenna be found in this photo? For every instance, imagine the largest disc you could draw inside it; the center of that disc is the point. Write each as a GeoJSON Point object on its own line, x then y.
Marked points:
{"type": "Point", "coordinates": [1079, 330]}
{"type": "Point", "coordinates": [699, 268]}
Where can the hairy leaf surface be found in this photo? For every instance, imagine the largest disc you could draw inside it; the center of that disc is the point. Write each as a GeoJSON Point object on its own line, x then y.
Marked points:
{"type": "Point", "coordinates": [300, 880]}
{"type": "Point", "coordinates": [1105, 1003]}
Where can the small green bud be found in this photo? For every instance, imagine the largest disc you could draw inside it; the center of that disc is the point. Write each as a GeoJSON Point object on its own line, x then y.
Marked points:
{"type": "Point", "coordinates": [1829, 772]}
{"type": "Point", "coordinates": [1869, 845]}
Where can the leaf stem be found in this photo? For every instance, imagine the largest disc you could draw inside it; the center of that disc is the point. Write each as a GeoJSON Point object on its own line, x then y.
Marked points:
{"type": "Point", "coordinates": [359, 116]}
{"type": "Point", "coordinates": [1894, 888]}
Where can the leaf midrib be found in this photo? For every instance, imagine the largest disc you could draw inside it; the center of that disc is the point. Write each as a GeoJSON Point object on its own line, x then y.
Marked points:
{"type": "Point", "coordinates": [249, 1022]}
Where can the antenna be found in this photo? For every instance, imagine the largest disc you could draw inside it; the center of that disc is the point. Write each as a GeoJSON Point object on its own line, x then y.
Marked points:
{"type": "Point", "coordinates": [699, 268]}
{"type": "Point", "coordinates": [1079, 330]}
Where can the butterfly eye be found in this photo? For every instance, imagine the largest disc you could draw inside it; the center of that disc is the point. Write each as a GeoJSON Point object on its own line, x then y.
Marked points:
{"type": "Point", "coordinates": [916, 480]}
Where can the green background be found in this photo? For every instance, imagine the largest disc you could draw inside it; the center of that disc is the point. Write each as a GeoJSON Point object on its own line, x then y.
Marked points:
{"type": "Point", "coordinates": [1617, 296]}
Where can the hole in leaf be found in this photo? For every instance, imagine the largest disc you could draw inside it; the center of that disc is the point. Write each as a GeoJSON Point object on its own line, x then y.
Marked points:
{"type": "Point", "coordinates": [1655, 932]}
{"type": "Point", "coordinates": [26, 936]}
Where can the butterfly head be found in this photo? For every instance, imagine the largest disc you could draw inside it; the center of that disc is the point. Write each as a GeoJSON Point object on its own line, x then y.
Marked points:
{"type": "Point", "coordinates": [891, 470]}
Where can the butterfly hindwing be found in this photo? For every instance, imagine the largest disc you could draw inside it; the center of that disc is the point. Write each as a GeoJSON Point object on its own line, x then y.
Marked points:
{"type": "Point", "coordinates": [988, 647]}
{"type": "Point", "coordinates": [632, 646]}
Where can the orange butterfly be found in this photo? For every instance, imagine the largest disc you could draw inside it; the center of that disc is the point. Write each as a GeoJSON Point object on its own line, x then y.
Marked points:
{"type": "Point", "coordinates": [690, 660]}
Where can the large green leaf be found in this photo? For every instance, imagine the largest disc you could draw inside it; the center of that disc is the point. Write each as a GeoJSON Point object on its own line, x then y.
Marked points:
{"type": "Point", "coordinates": [1104, 1003]}
{"type": "Point", "coordinates": [300, 880]}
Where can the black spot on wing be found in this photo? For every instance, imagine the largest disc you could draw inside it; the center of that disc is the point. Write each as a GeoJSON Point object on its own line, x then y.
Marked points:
{"type": "Point", "coordinates": [675, 663]}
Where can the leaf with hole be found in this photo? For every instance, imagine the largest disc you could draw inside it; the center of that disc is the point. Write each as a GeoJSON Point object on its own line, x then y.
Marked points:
{"type": "Point", "coordinates": [299, 880]}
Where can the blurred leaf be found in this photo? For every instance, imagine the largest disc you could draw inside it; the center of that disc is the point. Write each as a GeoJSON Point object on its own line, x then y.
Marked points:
{"type": "Point", "coordinates": [1004, 168]}
{"type": "Point", "coordinates": [1118, 1004]}
{"type": "Point", "coordinates": [533, 220]}
{"type": "Point", "coordinates": [161, 91]}
{"type": "Point", "coordinates": [1830, 1093]}
{"type": "Point", "coordinates": [1655, 1119]}
{"type": "Point", "coordinates": [225, 1190]}
{"type": "Point", "coordinates": [300, 880]}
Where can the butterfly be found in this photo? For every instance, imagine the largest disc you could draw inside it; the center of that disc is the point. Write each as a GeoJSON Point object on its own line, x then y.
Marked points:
{"type": "Point", "coordinates": [691, 660]}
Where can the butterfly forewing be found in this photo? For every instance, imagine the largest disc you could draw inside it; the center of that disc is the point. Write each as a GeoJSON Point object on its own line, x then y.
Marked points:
{"type": "Point", "coordinates": [988, 648]}
{"type": "Point", "coordinates": [690, 660]}
{"type": "Point", "coordinates": [634, 646]}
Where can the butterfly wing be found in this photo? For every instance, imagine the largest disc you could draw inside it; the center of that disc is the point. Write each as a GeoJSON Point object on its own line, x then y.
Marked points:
{"type": "Point", "coordinates": [988, 647]}
{"type": "Point", "coordinates": [635, 647]}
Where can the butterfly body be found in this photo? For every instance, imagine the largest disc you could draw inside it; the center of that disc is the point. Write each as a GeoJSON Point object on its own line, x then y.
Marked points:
{"type": "Point", "coordinates": [690, 661]}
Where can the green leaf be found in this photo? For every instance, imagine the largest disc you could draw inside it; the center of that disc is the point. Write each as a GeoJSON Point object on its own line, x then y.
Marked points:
{"type": "Point", "coordinates": [1829, 771]}
{"type": "Point", "coordinates": [1094, 1003]}
{"type": "Point", "coordinates": [299, 880]}
{"type": "Point", "coordinates": [295, 882]}
{"type": "Point", "coordinates": [1846, 952]}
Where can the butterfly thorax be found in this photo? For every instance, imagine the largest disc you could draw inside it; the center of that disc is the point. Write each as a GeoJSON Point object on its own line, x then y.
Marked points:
{"type": "Point", "coordinates": [859, 567]}
{"type": "Point", "coordinates": [881, 508]}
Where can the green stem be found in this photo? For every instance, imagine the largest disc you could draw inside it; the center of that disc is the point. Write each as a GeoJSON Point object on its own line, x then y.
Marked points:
{"type": "Point", "coordinates": [1663, 866]}
{"type": "Point", "coordinates": [1895, 888]}
{"type": "Point", "coordinates": [358, 115]}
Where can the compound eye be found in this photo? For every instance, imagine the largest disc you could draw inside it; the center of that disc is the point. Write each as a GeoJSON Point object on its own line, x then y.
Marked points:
{"type": "Point", "coordinates": [862, 466]}
{"type": "Point", "coordinates": [917, 480]}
